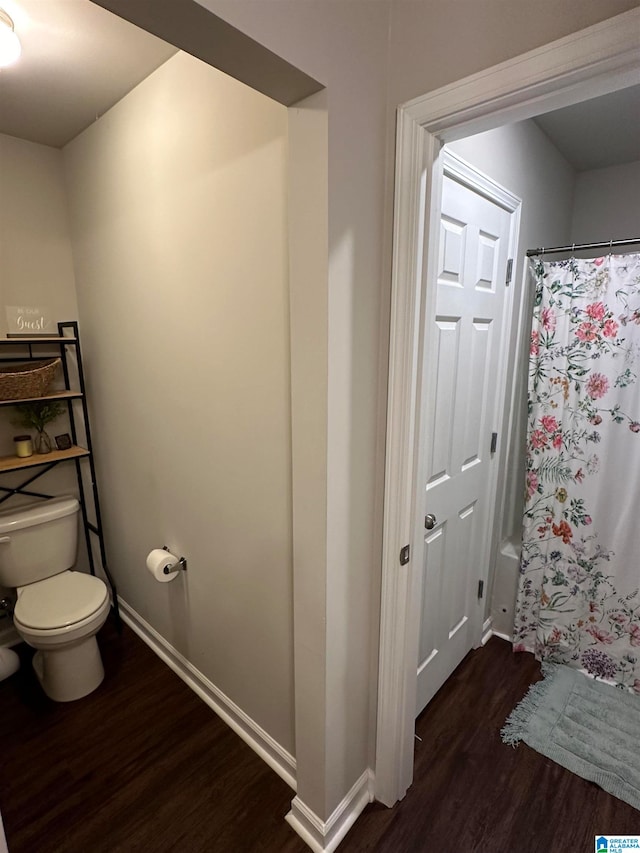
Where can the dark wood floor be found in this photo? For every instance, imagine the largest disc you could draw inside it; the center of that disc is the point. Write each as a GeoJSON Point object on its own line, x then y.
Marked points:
{"type": "Point", "coordinates": [143, 765]}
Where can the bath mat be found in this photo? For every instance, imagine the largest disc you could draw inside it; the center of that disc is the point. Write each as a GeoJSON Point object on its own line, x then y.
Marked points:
{"type": "Point", "coordinates": [591, 728]}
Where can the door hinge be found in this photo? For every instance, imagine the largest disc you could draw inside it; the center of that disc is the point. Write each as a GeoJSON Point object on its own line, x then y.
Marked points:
{"type": "Point", "coordinates": [509, 272]}
{"type": "Point", "coordinates": [480, 589]}
{"type": "Point", "coordinates": [494, 442]}
{"type": "Point", "coordinates": [404, 555]}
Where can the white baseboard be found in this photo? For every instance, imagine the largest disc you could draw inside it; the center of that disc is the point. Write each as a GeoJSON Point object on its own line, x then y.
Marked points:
{"type": "Point", "coordinates": [3, 840]}
{"type": "Point", "coordinates": [325, 836]}
{"type": "Point", "coordinates": [502, 636]}
{"type": "Point", "coordinates": [260, 741]}
{"type": "Point", "coordinates": [488, 632]}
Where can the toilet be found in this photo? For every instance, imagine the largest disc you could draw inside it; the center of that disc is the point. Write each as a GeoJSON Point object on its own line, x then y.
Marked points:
{"type": "Point", "coordinates": [58, 611]}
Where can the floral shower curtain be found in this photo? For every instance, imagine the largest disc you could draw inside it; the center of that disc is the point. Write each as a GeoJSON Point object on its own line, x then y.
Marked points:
{"type": "Point", "coordinates": [578, 598]}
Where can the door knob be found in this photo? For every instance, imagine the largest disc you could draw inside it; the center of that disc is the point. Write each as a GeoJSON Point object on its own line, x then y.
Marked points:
{"type": "Point", "coordinates": [430, 521]}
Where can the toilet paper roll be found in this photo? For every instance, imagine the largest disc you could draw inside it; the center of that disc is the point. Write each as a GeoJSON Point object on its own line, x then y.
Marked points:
{"type": "Point", "coordinates": [157, 560]}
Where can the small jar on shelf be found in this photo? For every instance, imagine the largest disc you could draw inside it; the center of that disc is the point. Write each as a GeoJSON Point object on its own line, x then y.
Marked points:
{"type": "Point", "coordinates": [23, 446]}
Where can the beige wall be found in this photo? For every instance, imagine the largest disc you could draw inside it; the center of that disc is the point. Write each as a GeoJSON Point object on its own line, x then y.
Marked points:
{"type": "Point", "coordinates": [178, 211]}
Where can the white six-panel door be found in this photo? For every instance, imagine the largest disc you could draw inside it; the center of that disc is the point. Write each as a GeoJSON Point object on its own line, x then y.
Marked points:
{"type": "Point", "coordinates": [462, 369]}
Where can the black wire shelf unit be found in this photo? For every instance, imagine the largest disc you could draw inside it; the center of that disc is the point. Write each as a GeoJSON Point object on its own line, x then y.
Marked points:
{"type": "Point", "coordinates": [66, 345]}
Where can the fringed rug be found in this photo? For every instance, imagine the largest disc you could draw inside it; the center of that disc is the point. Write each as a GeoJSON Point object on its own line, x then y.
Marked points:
{"type": "Point", "coordinates": [591, 728]}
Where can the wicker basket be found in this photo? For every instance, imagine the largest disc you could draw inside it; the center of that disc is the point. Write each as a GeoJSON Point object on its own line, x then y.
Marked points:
{"type": "Point", "coordinates": [23, 381]}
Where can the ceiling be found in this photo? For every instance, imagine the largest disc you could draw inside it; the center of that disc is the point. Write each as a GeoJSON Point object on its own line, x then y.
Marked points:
{"type": "Point", "coordinates": [78, 60]}
{"type": "Point", "coordinates": [602, 132]}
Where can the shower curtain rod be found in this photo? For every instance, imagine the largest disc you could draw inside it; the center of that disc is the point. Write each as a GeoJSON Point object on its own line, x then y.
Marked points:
{"type": "Point", "coordinates": [609, 244]}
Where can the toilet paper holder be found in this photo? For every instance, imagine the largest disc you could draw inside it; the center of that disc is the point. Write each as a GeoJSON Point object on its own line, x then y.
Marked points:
{"type": "Point", "coordinates": [174, 567]}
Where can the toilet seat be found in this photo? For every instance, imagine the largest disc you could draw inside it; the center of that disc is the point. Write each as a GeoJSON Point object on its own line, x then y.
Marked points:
{"type": "Point", "coordinates": [61, 602]}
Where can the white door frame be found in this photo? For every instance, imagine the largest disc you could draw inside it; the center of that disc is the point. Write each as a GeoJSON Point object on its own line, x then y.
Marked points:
{"type": "Point", "coordinates": [592, 62]}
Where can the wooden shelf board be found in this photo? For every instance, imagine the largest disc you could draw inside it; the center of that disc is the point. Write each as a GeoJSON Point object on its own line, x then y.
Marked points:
{"type": "Point", "coordinates": [54, 339]}
{"type": "Point", "coordinates": [55, 395]}
{"type": "Point", "coordinates": [13, 463]}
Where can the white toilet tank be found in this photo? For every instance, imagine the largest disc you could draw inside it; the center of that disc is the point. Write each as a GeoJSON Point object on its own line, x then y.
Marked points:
{"type": "Point", "coordinates": [38, 541]}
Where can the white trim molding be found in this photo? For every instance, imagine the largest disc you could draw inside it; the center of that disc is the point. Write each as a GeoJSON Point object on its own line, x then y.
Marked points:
{"type": "Point", "coordinates": [585, 64]}
{"type": "Point", "coordinates": [397, 692]}
{"type": "Point", "coordinates": [580, 66]}
{"type": "Point", "coordinates": [324, 836]}
{"type": "Point", "coordinates": [251, 733]}
{"type": "Point", "coordinates": [465, 173]}
{"type": "Point", "coordinates": [487, 631]}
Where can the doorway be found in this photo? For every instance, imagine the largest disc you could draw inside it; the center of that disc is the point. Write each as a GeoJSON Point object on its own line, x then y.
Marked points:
{"type": "Point", "coordinates": [568, 71]}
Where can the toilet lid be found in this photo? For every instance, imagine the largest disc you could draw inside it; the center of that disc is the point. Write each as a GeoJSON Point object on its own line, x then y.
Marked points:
{"type": "Point", "coordinates": [59, 601]}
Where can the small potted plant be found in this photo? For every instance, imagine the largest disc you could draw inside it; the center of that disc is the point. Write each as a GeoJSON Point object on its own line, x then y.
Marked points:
{"type": "Point", "coordinates": [37, 416]}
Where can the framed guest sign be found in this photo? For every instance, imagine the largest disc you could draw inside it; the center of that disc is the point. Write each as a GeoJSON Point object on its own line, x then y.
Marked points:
{"type": "Point", "coordinates": [29, 322]}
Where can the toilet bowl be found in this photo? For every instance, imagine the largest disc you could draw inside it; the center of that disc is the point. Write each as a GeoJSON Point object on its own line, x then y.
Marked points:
{"type": "Point", "coordinates": [60, 617]}
{"type": "Point", "coordinates": [58, 611]}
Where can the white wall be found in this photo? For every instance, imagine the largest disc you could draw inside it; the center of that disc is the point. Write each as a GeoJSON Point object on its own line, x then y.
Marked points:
{"type": "Point", "coordinates": [345, 46]}
{"type": "Point", "coordinates": [36, 268]}
{"type": "Point", "coordinates": [179, 223]}
{"type": "Point", "coordinates": [521, 158]}
{"type": "Point", "coordinates": [308, 261]}
{"type": "Point", "coordinates": [607, 204]}
{"type": "Point", "coordinates": [434, 42]}
{"type": "Point", "coordinates": [36, 262]}
{"type": "Point", "coordinates": [372, 56]}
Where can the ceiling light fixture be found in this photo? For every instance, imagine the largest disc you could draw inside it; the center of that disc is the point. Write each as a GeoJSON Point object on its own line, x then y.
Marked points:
{"type": "Point", "coordinates": [9, 42]}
